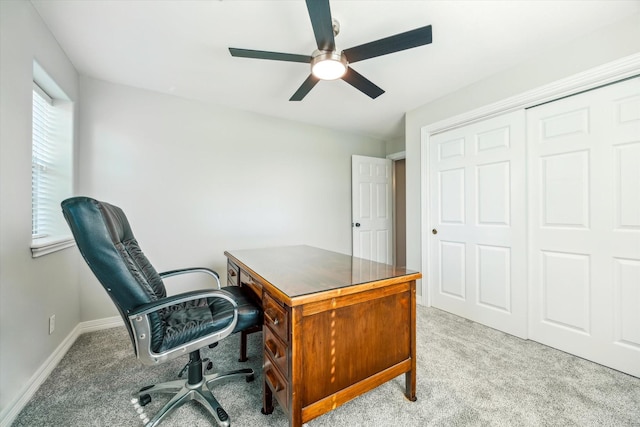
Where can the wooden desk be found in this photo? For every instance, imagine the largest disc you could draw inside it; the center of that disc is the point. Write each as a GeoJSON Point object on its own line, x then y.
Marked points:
{"type": "Point", "coordinates": [335, 326]}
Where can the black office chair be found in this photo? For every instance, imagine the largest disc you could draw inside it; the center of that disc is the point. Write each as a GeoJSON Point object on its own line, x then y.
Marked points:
{"type": "Point", "coordinates": [161, 327]}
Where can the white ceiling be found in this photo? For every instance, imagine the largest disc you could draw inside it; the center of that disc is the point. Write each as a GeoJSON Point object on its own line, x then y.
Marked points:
{"type": "Point", "coordinates": [181, 48]}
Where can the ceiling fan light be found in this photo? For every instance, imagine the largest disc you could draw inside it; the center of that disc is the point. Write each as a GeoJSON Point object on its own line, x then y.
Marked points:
{"type": "Point", "coordinates": [328, 65]}
{"type": "Point", "coordinates": [328, 69]}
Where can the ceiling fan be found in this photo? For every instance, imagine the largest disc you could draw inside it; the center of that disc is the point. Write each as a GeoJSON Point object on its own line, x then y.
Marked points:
{"type": "Point", "coordinates": [327, 63]}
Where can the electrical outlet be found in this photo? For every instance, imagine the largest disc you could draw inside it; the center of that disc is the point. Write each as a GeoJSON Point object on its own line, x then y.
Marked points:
{"type": "Point", "coordinates": [52, 323]}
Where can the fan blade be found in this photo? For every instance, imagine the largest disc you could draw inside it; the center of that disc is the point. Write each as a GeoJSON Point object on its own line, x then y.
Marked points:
{"type": "Point", "coordinates": [263, 54]}
{"type": "Point", "coordinates": [320, 14]}
{"type": "Point", "coordinates": [361, 83]}
{"type": "Point", "coordinates": [414, 38]}
{"type": "Point", "coordinates": [304, 89]}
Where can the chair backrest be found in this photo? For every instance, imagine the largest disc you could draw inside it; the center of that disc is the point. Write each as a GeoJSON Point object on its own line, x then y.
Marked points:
{"type": "Point", "coordinates": [107, 243]}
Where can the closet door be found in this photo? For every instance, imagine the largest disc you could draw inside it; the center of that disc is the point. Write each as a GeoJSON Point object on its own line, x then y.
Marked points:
{"type": "Point", "coordinates": [584, 199]}
{"type": "Point", "coordinates": [477, 208]}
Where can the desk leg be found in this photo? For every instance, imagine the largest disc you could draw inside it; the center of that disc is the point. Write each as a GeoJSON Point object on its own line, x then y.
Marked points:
{"type": "Point", "coordinates": [410, 381]}
{"type": "Point", "coordinates": [410, 377]}
{"type": "Point", "coordinates": [267, 399]}
{"type": "Point", "coordinates": [243, 346]}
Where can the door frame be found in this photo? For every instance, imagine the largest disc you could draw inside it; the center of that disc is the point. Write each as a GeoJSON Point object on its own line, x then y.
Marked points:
{"type": "Point", "coordinates": [394, 157]}
{"type": "Point", "coordinates": [599, 76]}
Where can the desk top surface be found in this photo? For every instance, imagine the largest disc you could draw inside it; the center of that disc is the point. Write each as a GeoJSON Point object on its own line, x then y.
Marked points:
{"type": "Point", "coordinates": [302, 270]}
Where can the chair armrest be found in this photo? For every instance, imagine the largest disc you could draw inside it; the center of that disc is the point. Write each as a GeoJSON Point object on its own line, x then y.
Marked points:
{"type": "Point", "coordinates": [177, 272]}
{"type": "Point", "coordinates": [154, 306]}
{"type": "Point", "coordinates": [141, 326]}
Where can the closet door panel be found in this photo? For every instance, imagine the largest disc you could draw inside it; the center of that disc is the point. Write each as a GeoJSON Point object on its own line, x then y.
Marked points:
{"type": "Point", "coordinates": [478, 249]}
{"type": "Point", "coordinates": [583, 155]}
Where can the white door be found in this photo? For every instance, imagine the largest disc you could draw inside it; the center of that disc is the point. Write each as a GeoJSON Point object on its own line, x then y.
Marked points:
{"type": "Point", "coordinates": [477, 209]}
{"type": "Point", "coordinates": [584, 163]}
{"type": "Point", "coordinates": [372, 219]}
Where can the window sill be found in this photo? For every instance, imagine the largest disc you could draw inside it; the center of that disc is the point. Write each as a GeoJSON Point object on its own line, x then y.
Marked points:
{"type": "Point", "coordinates": [49, 245]}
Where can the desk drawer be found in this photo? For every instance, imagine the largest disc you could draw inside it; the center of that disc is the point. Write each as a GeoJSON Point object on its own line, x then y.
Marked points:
{"type": "Point", "coordinates": [247, 280]}
{"type": "Point", "coordinates": [277, 351]}
{"type": "Point", "coordinates": [233, 272]}
{"type": "Point", "coordinates": [278, 385]}
{"type": "Point", "coordinates": [275, 317]}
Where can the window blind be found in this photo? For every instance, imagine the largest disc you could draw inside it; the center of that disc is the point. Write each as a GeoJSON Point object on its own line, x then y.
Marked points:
{"type": "Point", "coordinates": [51, 163]}
{"type": "Point", "coordinates": [43, 165]}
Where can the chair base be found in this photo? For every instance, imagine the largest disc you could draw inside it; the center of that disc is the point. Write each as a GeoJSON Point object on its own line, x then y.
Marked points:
{"type": "Point", "coordinates": [184, 391]}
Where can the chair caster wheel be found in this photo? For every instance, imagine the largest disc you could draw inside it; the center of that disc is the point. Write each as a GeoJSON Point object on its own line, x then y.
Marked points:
{"type": "Point", "coordinates": [250, 378]}
{"type": "Point", "coordinates": [222, 414]}
{"type": "Point", "coordinates": [145, 399]}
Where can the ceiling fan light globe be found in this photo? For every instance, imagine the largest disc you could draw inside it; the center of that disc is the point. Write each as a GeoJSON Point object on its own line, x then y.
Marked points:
{"type": "Point", "coordinates": [328, 65]}
{"type": "Point", "coordinates": [329, 69]}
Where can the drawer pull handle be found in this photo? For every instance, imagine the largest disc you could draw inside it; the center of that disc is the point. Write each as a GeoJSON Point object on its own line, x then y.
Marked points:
{"type": "Point", "coordinates": [270, 316]}
{"type": "Point", "coordinates": [232, 273]}
{"type": "Point", "coordinates": [273, 348]}
{"type": "Point", "coordinates": [273, 381]}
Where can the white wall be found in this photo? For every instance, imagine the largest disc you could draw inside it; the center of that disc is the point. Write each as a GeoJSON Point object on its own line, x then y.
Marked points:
{"type": "Point", "coordinates": [603, 46]}
{"type": "Point", "coordinates": [395, 145]}
{"type": "Point", "coordinates": [30, 289]}
{"type": "Point", "coordinates": [196, 179]}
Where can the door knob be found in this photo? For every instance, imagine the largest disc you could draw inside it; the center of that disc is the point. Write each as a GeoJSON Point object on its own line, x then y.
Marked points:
{"type": "Point", "coordinates": [434, 231]}
{"type": "Point", "coordinates": [357, 224]}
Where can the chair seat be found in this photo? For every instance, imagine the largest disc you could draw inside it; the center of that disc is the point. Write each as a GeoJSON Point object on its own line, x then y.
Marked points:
{"type": "Point", "coordinates": [194, 319]}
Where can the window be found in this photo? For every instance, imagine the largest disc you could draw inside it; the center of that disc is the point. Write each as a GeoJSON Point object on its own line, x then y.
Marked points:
{"type": "Point", "coordinates": [51, 165]}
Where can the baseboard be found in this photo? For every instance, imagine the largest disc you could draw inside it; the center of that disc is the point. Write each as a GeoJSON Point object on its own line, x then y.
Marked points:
{"type": "Point", "coordinates": [99, 324]}
{"type": "Point", "coordinates": [9, 414]}
{"type": "Point", "coordinates": [421, 300]}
